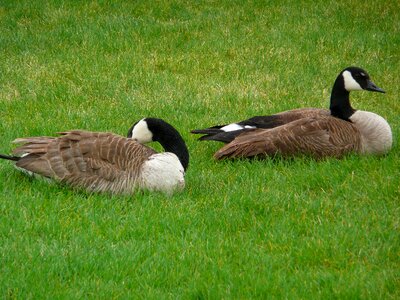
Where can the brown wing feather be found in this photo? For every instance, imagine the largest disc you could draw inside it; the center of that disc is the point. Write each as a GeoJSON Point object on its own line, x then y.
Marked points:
{"type": "Point", "coordinates": [315, 136]}
{"type": "Point", "coordinates": [93, 160]}
{"type": "Point", "coordinates": [300, 113]}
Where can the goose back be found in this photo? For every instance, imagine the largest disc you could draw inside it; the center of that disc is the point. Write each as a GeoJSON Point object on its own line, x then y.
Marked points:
{"type": "Point", "coordinates": [285, 117]}
{"type": "Point", "coordinates": [95, 161]}
{"type": "Point", "coordinates": [227, 133]}
{"type": "Point", "coordinates": [319, 137]}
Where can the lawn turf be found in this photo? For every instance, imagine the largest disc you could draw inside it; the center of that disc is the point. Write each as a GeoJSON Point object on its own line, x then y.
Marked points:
{"type": "Point", "coordinates": [242, 229]}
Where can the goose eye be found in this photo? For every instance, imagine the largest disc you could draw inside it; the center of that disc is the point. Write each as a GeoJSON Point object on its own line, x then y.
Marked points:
{"type": "Point", "coordinates": [360, 75]}
{"type": "Point", "coordinates": [363, 75]}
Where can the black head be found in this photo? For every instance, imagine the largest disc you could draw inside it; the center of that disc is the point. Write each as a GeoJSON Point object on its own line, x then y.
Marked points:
{"type": "Point", "coordinates": [356, 79]}
{"type": "Point", "coordinates": [151, 130]}
{"type": "Point", "coordinates": [141, 132]}
{"type": "Point", "coordinates": [157, 130]}
{"type": "Point", "coordinates": [350, 79]}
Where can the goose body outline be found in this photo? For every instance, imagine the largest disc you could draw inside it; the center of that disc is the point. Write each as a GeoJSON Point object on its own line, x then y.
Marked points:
{"type": "Point", "coordinates": [106, 162]}
{"type": "Point", "coordinates": [311, 131]}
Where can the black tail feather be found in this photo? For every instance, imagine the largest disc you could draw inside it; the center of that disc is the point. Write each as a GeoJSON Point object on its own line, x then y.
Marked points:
{"type": "Point", "coordinates": [9, 157]}
{"type": "Point", "coordinates": [225, 137]}
{"type": "Point", "coordinates": [211, 130]}
{"type": "Point", "coordinates": [212, 137]}
{"type": "Point", "coordinates": [210, 134]}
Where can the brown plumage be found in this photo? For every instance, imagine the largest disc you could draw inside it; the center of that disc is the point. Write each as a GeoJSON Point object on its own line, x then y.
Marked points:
{"type": "Point", "coordinates": [310, 131]}
{"type": "Point", "coordinates": [299, 113]}
{"type": "Point", "coordinates": [105, 162]}
{"type": "Point", "coordinates": [95, 161]}
{"type": "Point", "coordinates": [218, 133]}
{"type": "Point", "coordinates": [317, 136]}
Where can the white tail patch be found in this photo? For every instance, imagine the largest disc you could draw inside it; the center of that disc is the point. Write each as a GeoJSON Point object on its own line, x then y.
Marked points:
{"type": "Point", "coordinates": [232, 127]}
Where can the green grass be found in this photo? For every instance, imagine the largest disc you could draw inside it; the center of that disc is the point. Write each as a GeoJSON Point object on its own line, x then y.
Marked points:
{"type": "Point", "coordinates": [243, 229]}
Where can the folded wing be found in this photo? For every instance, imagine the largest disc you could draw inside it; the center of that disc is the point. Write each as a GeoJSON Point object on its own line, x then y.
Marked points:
{"type": "Point", "coordinates": [91, 160]}
{"type": "Point", "coordinates": [322, 136]}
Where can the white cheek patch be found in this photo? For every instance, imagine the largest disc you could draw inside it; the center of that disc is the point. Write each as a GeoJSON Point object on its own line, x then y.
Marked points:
{"type": "Point", "coordinates": [232, 127]}
{"type": "Point", "coordinates": [141, 132]}
{"type": "Point", "coordinates": [248, 126]}
{"type": "Point", "coordinates": [350, 84]}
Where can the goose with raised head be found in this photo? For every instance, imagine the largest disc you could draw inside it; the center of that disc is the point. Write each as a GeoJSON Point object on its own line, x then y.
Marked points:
{"type": "Point", "coordinates": [331, 133]}
{"type": "Point", "coordinates": [345, 82]}
{"type": "Point", "coordinates": [106, 162]}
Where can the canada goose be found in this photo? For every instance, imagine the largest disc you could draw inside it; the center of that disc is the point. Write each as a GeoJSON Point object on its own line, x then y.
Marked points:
{"type": "Point", "coordinates": [350, 79]}
{"type": "Point", "coordinates": [319, 133]}
{"type": "Point", "coordinates": [105, 162]}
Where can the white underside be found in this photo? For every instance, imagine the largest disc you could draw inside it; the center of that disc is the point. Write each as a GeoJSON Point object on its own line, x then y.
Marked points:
{"type": "Point", "coordinates": [376, 134]}
{"type": "Point", "coordinates": [234, 126]}
{"type": "Point", "coordinates": [163, 172]}
{"type": "Point", "coordinates": [34, 175]}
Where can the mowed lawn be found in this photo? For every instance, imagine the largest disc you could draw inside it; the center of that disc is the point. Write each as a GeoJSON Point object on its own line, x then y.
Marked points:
{"type": "Point", "coordinates": [243, 229]}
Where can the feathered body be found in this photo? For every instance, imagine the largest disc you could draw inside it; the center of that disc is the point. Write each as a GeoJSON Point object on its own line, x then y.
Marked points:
{"type": "Point", "coordinates": [99, 162]}
{"type": "Point", "coordinates": [322, 136]}
{"type": "Point", "coordinates": [310, 131]}
{"type": "Point", "coordinates": [227, 133]}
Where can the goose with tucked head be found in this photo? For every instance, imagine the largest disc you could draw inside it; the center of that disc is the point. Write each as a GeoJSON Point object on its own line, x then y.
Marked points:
{"type": "Point", "coordinates": [169, 167]}
{"type": "Point", "coordinates": [106, 162]}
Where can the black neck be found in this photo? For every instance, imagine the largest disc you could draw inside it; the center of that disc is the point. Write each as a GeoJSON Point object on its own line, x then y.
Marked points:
{"type": "Point", "coordinates": [340, 102]}
{"type": "Point", "coordinates": [172, 141]}
{"type": "Point", "coordinates": [178, 147]}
